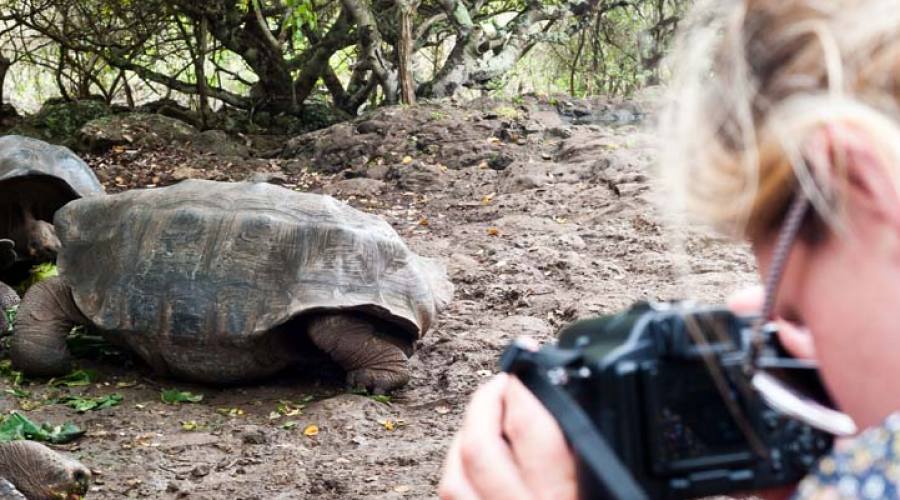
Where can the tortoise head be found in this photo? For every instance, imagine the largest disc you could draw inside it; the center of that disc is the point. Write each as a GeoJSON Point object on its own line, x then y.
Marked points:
{"type": "Point", "coordinates": [41, 243]}
{"type": "Point", "coordinates": [41, 473]}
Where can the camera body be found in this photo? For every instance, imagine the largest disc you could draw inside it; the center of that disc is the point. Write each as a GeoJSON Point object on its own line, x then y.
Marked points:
{"type": "Point", "coordinates": [644, 380]}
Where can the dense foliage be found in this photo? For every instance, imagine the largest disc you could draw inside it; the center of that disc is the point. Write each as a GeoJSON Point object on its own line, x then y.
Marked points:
{"type": "Point", "coordinates": [278, 54]}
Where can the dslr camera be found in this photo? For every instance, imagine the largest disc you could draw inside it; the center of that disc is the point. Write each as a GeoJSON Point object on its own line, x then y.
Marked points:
{"type": "Point", "coordinates": [657, 402]}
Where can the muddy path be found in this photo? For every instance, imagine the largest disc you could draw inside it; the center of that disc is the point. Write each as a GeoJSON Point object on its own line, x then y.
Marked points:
{"type": "Point", "coordinates": [540, 219]}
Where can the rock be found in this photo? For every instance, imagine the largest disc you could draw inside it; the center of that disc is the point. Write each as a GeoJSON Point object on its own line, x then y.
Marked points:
{"type": "Point", "coordinates": [253, 434]}
{"type": "Point", "coordinates": [269, 177]}
{"type": "Point", "coordinates": [417, 177]}
{"type": "Point", "coordinates": [559, 132]}
{"type": "Point", "coordinates": [182, 173]}
{"type": "Point", "coordinates": [358, 186]}
{"type": "Point", "coordinates": [372, 127]}
{"type": "Point", "coordinates": [581, 112]}
{"type": "Point", "coordinates": [462, 268]}
{"type": "Point", "coordinates": [134, 129]}
{"type": "Point", "coordinates": [218, 143]}
{"type": "Point", "coordinates": [378, 172]}
{"type": "Point", "coordinates": [58, 122]}
{"type": "Point", "coordinates": [500, 161]}
{"type": "Point", "coordinates": [201, 470]}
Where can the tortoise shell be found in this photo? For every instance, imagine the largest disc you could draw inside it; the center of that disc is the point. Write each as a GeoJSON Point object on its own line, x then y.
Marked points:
{"type": "Point", "coordinates": [204, 261]}
{"type": "Point", "coordinates": [41, 174]}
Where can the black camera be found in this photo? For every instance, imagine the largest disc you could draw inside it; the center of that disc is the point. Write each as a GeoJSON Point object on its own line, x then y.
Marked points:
{"type": "Point", "coordinates": [659, 399]}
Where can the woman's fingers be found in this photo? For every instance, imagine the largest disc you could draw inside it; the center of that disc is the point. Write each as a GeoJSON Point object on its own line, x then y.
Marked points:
{"type": "Point", "coordinates": [538, 445]}
{"type": "Point", "coordinates": [747, 301]}
{"type": "Point", "coordinates": [798, 342]}
{"type": "Point", "coordinates": [487, 461]}
{"type": "Point", "coordinates": [454, 485]}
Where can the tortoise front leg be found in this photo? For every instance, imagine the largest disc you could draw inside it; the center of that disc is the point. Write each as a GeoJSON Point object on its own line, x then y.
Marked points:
{"type": "Point", "coordinates": [370, 359]}
{"type": "Point", "coordinates": [45, 317]}
{"type": "Point", "coordinates": [8, 299]}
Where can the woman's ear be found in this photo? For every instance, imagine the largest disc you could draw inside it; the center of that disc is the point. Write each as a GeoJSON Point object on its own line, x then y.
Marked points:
{"type": "Point", "coordinates": [848, 160]}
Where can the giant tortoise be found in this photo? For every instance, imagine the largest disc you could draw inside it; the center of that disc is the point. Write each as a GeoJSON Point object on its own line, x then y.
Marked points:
{"type": "Point", "coordinates": [33, 471]}
{"type": "Point", "coordinates": [36, 179]}
{"type": "Point", "coordinates": [225, 282]}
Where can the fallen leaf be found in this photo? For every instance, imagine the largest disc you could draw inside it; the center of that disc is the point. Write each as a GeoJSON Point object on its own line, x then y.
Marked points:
{"type": "Point", "coordinates": [311, 430]}
{"type": "Point", "coordinates": [230, 412]}
{"type": "Point", "coordinates": [174, 396]}
{"type": "Point", "coordinates": [487, 199]}
{"type": "Point", "coordinates": [407, 160]}
{"type": "Point", "coordinates": [493, 231]}
{"type": "Point", "coordinates": [388, 424]}
{"type": "Point", "coordinates": [192, 425]}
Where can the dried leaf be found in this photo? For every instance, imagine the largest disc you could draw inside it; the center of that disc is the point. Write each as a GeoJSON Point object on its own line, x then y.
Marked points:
{"type": "Point", "coordinates": [311, 430]}
{"type": "Point", "coordinates": [493, 231]}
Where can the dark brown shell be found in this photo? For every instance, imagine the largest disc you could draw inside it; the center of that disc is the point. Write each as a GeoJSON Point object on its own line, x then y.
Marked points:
{"type": "Point", "coordinates": [45, 175]}
{"type": "Point", "coordinates": [205, 258]}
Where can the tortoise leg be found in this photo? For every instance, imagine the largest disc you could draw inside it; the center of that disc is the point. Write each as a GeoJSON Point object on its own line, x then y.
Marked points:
{"type": "Point", "coordinates": [371, 360]}
{"type": "Point", "coordinates": [37, 472]}
{"type": "Point", "coordinates": [44, 319]}
{"type": "Point", "coordinates": [8, 299]}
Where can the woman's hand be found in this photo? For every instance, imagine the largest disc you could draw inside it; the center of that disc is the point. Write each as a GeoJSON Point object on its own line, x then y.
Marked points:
{"type": "Point", "coordinates": [510, 447]}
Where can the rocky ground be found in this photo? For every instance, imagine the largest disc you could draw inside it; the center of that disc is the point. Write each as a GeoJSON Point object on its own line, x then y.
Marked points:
{"type": "Point", "coordinates": [543, 211]}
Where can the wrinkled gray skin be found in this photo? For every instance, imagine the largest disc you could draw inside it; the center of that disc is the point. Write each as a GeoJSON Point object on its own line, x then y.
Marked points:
{"type": "Point", "coordinates": [8, 299]}
{"type": "Point", "coordinates": [230, 282]}
{"type": "Point", "coordinates": [33, 471]}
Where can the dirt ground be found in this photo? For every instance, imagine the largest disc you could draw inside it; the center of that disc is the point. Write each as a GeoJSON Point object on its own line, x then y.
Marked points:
{"type": "Point", "coordinates": [541, 212]}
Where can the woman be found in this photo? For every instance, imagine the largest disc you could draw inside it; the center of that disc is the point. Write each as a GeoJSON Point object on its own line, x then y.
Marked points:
{"type": "Point", "coordinates": [774, 99]}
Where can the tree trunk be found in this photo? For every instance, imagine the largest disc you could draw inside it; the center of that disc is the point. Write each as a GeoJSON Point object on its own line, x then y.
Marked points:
{"type": "Point", "coordinates": [4, 68]}
{"type": "Point", "coordinates": [202, 28]}
{"type": "Point", "coordinates": [406, 9]}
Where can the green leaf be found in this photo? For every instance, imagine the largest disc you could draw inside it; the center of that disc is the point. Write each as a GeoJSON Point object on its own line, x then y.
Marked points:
{"type": "Point", "coordinates": [38, 273]}
{"type": "Point", "coordinates": [174, 396]}
{"type": "Point", "coordinates": [82, 405]}
{"type": "Point", "coordinates": [78, 378]}
{"type": "Point", "coordinates": [13, 376]}
{"type": "Point", "coordinates": [381, 398]}
{"type": "Point", "coordinates": [16, 426]}
{"type": "Point", "coordinates": [10, 319]}
{"type": "Point", "coordinates": [18, 393]}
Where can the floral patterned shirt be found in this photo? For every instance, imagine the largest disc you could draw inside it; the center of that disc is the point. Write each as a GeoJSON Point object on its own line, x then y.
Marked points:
{"type": "Point", "coordinates": [867, 466]}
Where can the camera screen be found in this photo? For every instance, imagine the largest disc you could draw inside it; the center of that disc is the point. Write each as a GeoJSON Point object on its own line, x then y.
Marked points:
{"type": "Point", "coordinates": [689, 419]}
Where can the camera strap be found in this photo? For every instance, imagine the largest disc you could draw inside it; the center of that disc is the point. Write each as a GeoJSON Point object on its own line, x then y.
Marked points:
{"type": "Point", "coordinates": [595, 453]}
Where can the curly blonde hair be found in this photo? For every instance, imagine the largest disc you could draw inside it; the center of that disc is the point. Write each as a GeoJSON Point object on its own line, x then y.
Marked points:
{"type": "Point", "coordinates": [753, 81]}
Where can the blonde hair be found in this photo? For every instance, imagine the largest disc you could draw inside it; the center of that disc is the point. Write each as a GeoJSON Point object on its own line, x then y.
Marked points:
{"type": "Point", "coordinates": [754, 80]}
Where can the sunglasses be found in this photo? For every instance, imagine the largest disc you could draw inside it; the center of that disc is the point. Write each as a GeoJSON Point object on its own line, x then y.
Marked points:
{"type": "Point", "coordinates": [790, 385]}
